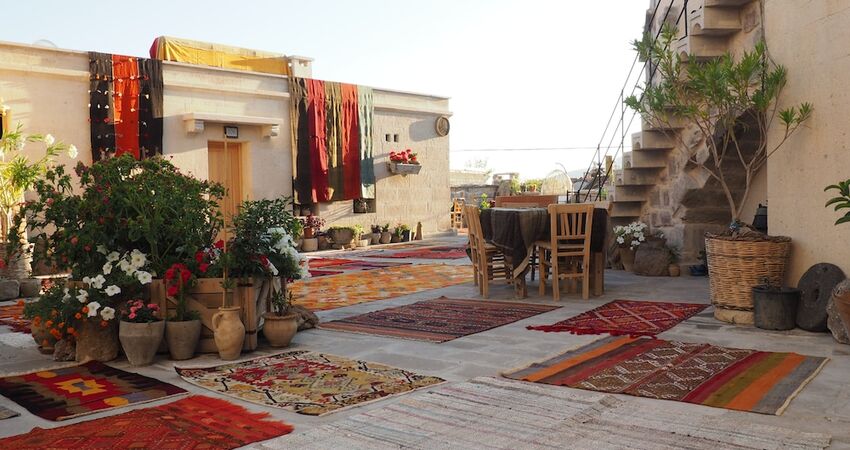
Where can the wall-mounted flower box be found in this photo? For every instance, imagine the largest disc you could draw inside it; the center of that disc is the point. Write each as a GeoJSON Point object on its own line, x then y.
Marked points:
{"type": "Point", "coordinates": [404, 169]}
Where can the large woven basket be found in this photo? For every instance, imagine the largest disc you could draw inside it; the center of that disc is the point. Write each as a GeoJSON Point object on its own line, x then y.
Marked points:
{"type": "Point", "coordinates": [735, 266]}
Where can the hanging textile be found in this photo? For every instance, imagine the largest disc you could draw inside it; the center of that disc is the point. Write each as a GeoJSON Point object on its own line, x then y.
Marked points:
{"type": "Point", "coordinates": [302, 183]}
{"type": "Point", "coordinates": [333, 117]}
{"type": "Point", "coordinates": [125, 106]}
{"type": "Point", "coordinates": [350, 142]}
{"type": "Point", "coordinates": [217, 55]}
{"type": "Point", "coordinates": [317, 128]}
{"type": "Point", "coordinates": [365, 118]}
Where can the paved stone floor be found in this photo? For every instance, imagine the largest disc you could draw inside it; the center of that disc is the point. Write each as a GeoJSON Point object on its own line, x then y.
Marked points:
{"type": "Point", "coordinates": [823, 406]}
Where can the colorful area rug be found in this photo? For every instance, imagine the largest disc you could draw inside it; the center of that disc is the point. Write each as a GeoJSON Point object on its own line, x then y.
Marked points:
{"type": "Point", "coordinates": [12, 317]}
{"type": "Point", "coordinates": [627, 317]}
{"type": "Point", "coordinates": [319, 263]}
{"type": "Point", "coordinates": [486, 413]}
{"type": "Point", "coordinates": [320, 267]}
{"type": "Point", "coordinates": [323, 272]}
{"type": "Point", "coordinates": [6, 413]}
{"type": "Point", "coordinates": [704, 374]}
{"type": "Point", "coordinates": [438, 320]}
{"type": "Point", "coordinates": [306, 382]}
{"type": "Point", "coordinates": [347, 289]}
{"type": "Point", "coordinates": [59, 394]}
{"type": "Point", "coordinates": [443, 252]}
{"type": "Point", "coordinates": [195, 422]}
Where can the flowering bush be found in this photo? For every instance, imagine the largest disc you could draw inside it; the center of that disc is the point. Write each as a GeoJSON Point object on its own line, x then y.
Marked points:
{"type": "Point", "coordinates": [178, 278]}
{"type": "Point", "coordinates": [262, 243]}
{"type": "Point", "coordinates": [630, 235]}
{"type": "Point", "coordinates": [311, 225]}
{"type": "Point", "coordinates": [139, 312]}
{"type": "Point", "coordinates": [404, 157]}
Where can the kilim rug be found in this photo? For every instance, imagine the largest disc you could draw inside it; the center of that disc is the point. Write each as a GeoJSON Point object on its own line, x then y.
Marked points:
{"type": "Point", "coordinates": [324, 293]}
{"type": "Point", "coordinates": [705, 374]}
{"type": "Point", "coordinates": [59, 394]}
{"type": "Point", "coordinates": [6, 413]}
{"type": "Point", "coordinates": [446, 252]}
{"type": "Point", "coordinates": [12, 317]}
{"type": "Point", "coordinates": [486, 413]}
{"type": "Point", "coordinates": [319, 263]}
{"type": "Point", "coordinates": [306, 382]}
{"type": "Point", "coordinates": [323, 272]}
{"type": "Point", "coordinates": [438, 320]}
{"type": "Point", "coordinates": [627, 317]}
{"type": "Point", "coordinates": [195, 422]}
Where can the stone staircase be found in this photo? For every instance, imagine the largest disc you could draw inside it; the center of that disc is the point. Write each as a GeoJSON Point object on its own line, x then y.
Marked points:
{"type": "Point", "coordinates": [657, 185]}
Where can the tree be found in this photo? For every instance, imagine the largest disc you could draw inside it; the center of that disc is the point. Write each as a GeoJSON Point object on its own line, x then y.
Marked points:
{"type": "Point", "coordinates": [722, 98]}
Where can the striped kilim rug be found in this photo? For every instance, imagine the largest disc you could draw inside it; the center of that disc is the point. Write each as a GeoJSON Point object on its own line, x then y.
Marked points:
{"type": "Point", "coordinates": [359, 287]}
{"type": "Point", "coordinates": [439, 320]}
{"type": "Point", "coordinates": [627, 317]}
{"type": "Point", "coordinates": [705, 374]}
{"type": "Point", "coordinates": [12, 317]}
{"type": "Point", "coordinates": [487, 413]}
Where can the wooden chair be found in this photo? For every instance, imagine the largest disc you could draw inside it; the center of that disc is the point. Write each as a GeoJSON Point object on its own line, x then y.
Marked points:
{"type": "Point", "coordinates": [487, 260]}
{"type": "Point", "coordinates": [567, 252]}
{"type": "Point", "coordinates": [457, 213]}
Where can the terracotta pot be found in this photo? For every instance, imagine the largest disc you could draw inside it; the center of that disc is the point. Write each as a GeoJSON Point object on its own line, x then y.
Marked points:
{"type": "Point", "coordinates": [674, 270]}
{"type": "Point", "coordinates": [364, 242]}
{"type": "Point", "coordinates": [375, 238]}
{"type": "Point", "coordinates": [395, 238]}
{"type": "Point", "coordinates": [140, 340]}
{"type": "Point", "coordinates": [280, 330]}
{"type": "Point", "coordinates": [627, 256]}
{"type": "Point", "coordinates": [310, 245]}
{"type": "Point", "coordinates": [229, 332]}
{"type": "Point", "coordinates": [309, 233]}
{"type": "Point", "coordinates": [386, 237]}
{"type": "Point", "coordinates": [182, 338]}
{"type": "Point", "coordinates": [97, 343]}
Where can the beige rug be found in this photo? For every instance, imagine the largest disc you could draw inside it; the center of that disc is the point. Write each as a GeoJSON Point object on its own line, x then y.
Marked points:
{"type": "Point", "coordinates": [503, 414]}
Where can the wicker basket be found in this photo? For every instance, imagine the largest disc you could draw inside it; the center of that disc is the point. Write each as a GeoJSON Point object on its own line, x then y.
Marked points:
{"type": "Point", "coordinates": [735, 266]}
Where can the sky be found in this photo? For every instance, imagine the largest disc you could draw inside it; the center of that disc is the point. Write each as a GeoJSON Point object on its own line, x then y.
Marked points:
{"type": "Point", "coordinates": [522, 75]}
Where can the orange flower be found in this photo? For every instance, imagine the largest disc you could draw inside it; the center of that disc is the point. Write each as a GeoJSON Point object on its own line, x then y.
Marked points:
{"type": "Point", "coordinates": [36, 320]}
{"type": "Point", "coordinates": [71, 330]}
{"type": "Point", "coordinates": [21, 302]}
{"type": "Point", "coordinates": [61, 325]}
{"type": "Point", "coordinates": [85, 309]}
{"type": "Point", "coordinates": [48, 324]}
{"type": "Point", "coordinates": [55, 333]}
{"type": "Point", "coordinates": [78, 316]}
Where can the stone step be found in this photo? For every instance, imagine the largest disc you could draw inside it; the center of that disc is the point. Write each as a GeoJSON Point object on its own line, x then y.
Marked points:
{"type": "Point", "coordinates": [649, 159]}
{"type": "Point", "coordinates": [672, 123]}
{"type": "Point", "coordinates": [727, 3]}
{"type": "Point", "coordinates": [652, 140]}
{"type": "Point", "coordinates": [626, 209]}
{"type": "Point", "coordinates": [714, 21]}
{"type": "Point", "coordinates": [701, 47]}
{"type": "Point", "coordinates": [637, 177]}
{"type": "Point", "coordinates": [631, 193]}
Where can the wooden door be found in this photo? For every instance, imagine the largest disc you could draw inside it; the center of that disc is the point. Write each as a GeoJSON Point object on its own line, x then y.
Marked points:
{"type": "Point", "coordinates": [226, 169]}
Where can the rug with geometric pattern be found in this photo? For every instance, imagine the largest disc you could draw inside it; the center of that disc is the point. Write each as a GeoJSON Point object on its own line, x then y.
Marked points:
{"type": "Point", "coordinates": [306, 382]}
{"type": "Point", "coordinates": [60, 394]}
{"type": "Point", "coordinates": [704, 374]}
{"type": "Point", "coordinates": [195, 422]}
{"type": "Point", "coordinates": [12, 317]}
{"type": "Point", "coordinates": [627, 317]}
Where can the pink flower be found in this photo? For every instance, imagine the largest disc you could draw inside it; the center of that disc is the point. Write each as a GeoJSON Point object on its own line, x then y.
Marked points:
{"type": "Point", "coordinates": [132, 315]}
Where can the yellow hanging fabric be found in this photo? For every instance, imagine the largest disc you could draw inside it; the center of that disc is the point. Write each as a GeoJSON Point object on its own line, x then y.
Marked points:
{"type": "Point", "coordinates": [217, 55]}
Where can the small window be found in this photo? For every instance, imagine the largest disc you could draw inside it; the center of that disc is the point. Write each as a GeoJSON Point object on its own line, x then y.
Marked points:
{"type": "Point", "coordinates": [364, 205]}
{"type": "Point", "coordinates": [395, 138]}
{"type": "Point", "coordinates": [388, 137]}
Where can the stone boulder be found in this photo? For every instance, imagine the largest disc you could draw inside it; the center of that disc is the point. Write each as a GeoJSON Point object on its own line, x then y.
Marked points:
{"type": "Point", "coordinates": [834, 322]}
{"type": "Point", "coordinates": [30, 287]}
{"type": "Point", "coordinates": [64, 351]}
{"type": "Point", "coordinates": [652, 259]}
{"type": "Point", "coordinates": [9, 289]}
{"type": "Point", "coordinates": [306, 318]}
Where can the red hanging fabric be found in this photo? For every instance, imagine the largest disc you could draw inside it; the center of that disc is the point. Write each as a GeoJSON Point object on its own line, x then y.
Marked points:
{"type": "Point", "coordinates": [125, 71]}
{"type": "Point", "coordinates": [350, 141]}
{"type": "Point", "coordinates": [317, 117]}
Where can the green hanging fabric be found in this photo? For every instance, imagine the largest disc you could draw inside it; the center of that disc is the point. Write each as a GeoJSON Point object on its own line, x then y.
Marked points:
{"type": "Point", "coordinates": [302, 183]}
{"type": "Point", "coordinates": [333, 108]}
{"type": "Point", "coordinates": [367, 162]}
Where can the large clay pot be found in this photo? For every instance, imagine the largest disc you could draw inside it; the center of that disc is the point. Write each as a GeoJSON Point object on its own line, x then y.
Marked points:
{"type": "Point", "coordinates": [775, 308]}
{"type": "Point", "coordinates": [140, 340]}
{"type": "Point", "coordinates": [280, 330]}
{"type": "Point", "coordinates": [395, 238]}
{"type": "Point", "coordinates": [841, 298]}
{"type": "Point", "coordinates": [386, 237]}
{"type": "Point", "coordinates": [182, 338]}
{"type": "Point", "coordinates": [405, 236]}
{"type": "Point", "coordinates": [342, 237]}
{"type": "Point", "coordinates": [375, 238]}
{"type": "Point", "coordinates": [627, 257]}
{"type": "Point", "coordinates": [310, 245]}
{"type": "Point", "coordinates": [229, 332]}
{"type": "Point", "coordinates": [674, 270]}
{"type": "Point", "coordinates": [97, 343]}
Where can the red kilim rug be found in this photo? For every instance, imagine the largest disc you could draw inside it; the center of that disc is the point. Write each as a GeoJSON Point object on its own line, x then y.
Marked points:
{"type": "Point", "coordinates": [12, 317]}
{"type": "Point", "coordinates": [627, 317]}
{"type": "Point", "coordinates": [443, 252]}
{"type": "Point", "coordinates": [196, 422]}
{"type": "Point", "coordinates": [59, 394]}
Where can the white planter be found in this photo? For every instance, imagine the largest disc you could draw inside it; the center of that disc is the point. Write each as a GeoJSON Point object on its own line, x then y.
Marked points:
{"type": "Point", "coordinates": [310, 245]}
{"type": "Point", "coordinates": [404, 169]}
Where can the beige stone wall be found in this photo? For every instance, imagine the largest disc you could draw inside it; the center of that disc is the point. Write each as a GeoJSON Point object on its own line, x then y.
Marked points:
{"type": "Point", "coordinates": [810, 40]}
{"type": "Point", "coordinates": [47, 91]}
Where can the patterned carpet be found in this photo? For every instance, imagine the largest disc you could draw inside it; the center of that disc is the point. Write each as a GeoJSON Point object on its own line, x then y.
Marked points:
{"type": "Point", "coordinates": [195, 422]}
{"type": "Point", "coordinates": [320, 267]}
{"type": "Point", "coordinates": [438, 320]}
{"type": "Point", "coordinates": [306, 382]}
{"type": "Point", "coordinates": [704, 374]}
{"type": "Point", "coordinates": [60, 394]}
{"type": "Point", "coordinates": [441, 252]}
{"type": "Point", "coordinates": [352, 288]}
{"type": "Point", "coordinates": [11, 316]}
{"type": "Point", "coordinates": [627, 317]}
{"type": "Point", "coordinates": [487, 413]}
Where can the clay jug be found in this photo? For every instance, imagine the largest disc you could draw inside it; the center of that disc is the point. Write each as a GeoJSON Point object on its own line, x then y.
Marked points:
{"type": "Point", "coordinates": [228, 332]}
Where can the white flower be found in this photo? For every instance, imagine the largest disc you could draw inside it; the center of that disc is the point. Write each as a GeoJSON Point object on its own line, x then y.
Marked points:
{"type": "Point", "coordinates": [82, 296]}
{"type": "Point", "coordinates": [66, 296]}
{"type": "Point", "coordinates": [138, 259]}
{"type": "Point", "coordinates": [144, 277]}
{"type": "Point", "coordinates": [97, 282]}
{"type": "Point", "coordinates": [87, 280]}
{"type": "Point", "coordinates": [93, 307]}
{"type": "Point", "coordinates": [49, 139]}
{"type": "Point", "coordinates": [112, 290]}
{"type": "Point", "coordinates": [107, 268]}
{"type": "Point", "coordinates": [102, 249]}
{"type": "Point", "coordinates": [107, 313]}
{"type": "Point", "coordinates": [72, 151]}
{"type": "Point", "coordinates": [127, 267]}
{"type": "Point", "coordinates": [112, 257]}
{"type": "Point", "coordinates": [620, 240]}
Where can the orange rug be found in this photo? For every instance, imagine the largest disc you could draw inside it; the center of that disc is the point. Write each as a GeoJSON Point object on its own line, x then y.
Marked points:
{"type": "Point", "coordinates": [347, 289]}
{"type": "Point", "coordinates": [12, 317]}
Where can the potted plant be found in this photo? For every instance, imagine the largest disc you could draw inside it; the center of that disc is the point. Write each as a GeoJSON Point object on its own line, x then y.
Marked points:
{"type": "Point", "coordinates": [140, 332]}
{"type": "Point", "coordinates": [375, 237]}
{"type": "Point", "coordinates": [386, 236]}
{"type": "Point", "coordinates": [361, 239]}
{"type": "Point", "coordinates": [725, 101]}
{"type": "Point", "coordinates": [341, 235]}
{"type": "Point", "coordinates": [311, 224]}
{"type": "Point", "coordinates": [673, 260]}
{"type": "Point", "coordinates": [281, 324]}
{"type": "Point", "coordinates": [403, 231]}
{"type": "Point", "coordinates": [841, 294]}
{"type": "Point", "coordinates": [183, 328]}
{"type": "Point", "coordinates": [44, 317]}
{"type": "Point", "coordinates": [628, 238]}
{"type": "Point", "coordinates": [404, 162]}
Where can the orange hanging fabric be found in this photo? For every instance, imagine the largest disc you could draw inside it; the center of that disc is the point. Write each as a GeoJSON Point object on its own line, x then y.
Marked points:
{"type": "Point", "coordinates": [125, 71]}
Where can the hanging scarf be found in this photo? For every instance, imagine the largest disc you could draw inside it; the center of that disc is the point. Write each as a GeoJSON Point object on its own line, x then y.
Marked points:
{"type": "Point", "coordinates": [365, 116]}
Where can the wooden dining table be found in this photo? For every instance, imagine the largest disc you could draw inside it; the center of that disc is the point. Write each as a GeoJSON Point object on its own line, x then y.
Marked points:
{"type": "Point", "coordinates": [515, 230]}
